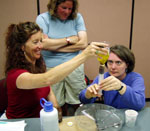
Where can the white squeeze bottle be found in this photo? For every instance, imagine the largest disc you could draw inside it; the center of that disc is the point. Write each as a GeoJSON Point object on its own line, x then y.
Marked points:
{"type": "Point", "coordinates": [48, 116]}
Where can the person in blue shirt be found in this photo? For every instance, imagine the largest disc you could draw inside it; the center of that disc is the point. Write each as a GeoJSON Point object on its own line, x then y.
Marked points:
{"type": "Point", "coordinates": [65, 38]}
{"type": "Point", "coordinates": [121, 88]}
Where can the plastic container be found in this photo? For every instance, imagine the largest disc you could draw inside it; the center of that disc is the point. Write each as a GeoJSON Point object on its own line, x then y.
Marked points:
{"type": "Point", "coordinates": [101, 76]}
{"type": "Point", "coordinates": [48, 116]}
{"type": "Point", "coordinates": [131, 116]}
{"type": "Point", "coordinates": [98, 117]}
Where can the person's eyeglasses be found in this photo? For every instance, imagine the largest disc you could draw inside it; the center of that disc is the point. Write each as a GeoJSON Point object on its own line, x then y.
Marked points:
{"type": "Point", "coordinates": [118, 63]}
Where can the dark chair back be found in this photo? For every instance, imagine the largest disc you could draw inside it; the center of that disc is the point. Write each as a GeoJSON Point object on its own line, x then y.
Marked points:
{"type": "Point", "coordinates": [3, 95]}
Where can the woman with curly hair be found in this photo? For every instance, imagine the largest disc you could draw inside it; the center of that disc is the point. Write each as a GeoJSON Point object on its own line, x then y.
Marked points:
{"type": "Point", "coordinates": [27, 79]}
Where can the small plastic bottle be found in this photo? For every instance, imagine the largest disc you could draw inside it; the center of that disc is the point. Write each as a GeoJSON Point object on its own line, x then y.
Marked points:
{"type": "Point", "coordinates": [48, 116]}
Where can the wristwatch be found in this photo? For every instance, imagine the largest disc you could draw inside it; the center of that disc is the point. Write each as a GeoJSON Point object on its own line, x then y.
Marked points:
{"type": "Point", "coordinates": [68, 40]}
{"type": "Point", "coordinates": [122, 85]}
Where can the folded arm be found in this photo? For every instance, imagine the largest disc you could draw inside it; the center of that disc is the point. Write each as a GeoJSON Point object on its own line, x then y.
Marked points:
{"type": "Point", "coordinates": [79, 45]}
{"type": "Point", "coordinates": [76, 43]}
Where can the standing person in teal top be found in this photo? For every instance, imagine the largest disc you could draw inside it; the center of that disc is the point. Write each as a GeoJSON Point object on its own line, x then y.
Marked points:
{"type": "Point", "coordinates": [65, 37]}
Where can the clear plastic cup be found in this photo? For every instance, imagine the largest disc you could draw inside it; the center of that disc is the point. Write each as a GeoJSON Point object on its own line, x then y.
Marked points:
{"type": "Point", "coordinates": [131, 116]}
{"type": "Point", "coordinates": [103, 58]}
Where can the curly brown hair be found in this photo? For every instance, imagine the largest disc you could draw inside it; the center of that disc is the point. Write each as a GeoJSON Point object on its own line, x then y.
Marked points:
{"type": "Point", "coordinates": [53, 4]}
{"type": "Point", "coordinates": [16, 36]}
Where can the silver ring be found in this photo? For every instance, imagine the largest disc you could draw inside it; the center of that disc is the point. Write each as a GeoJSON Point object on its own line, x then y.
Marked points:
{"type": "Point", "coordinates": [97, 52]}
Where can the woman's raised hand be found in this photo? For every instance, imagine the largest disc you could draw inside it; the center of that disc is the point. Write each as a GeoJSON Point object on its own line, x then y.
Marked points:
{"type": "Point", "coordinates": [95, 48]}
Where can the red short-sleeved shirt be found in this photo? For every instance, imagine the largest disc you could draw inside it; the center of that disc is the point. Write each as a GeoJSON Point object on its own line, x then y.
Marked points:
{"type": "Point", "coordinates": [23, 103]}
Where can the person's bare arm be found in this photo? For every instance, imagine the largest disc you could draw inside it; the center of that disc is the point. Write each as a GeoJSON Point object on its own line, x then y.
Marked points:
{"type": "Point", "coordinates": [53, 44]}
{"type": "Point", "coordinates": [80, 45]}
{"type": "Point", "coordinates": [51, 97]}
{"type": "Point", "coordinates": [76, 43]}
{"type": "Point", "coordinates": [30, 81]}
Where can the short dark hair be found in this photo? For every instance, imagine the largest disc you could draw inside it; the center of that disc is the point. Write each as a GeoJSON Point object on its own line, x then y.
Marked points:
{"type": "Point", "coordinates": [124, 54]}
{"type": "Point", "coordinates": [53, 4]}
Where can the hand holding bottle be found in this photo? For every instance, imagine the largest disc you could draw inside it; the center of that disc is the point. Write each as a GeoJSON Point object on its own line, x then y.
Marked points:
{"type": "Point", "coordinates": [92, 91]}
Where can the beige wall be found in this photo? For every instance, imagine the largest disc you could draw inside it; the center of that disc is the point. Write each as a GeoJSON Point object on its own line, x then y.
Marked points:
{"type": "Point", "coordinates": [141, 41]}
{"type": "Point", "coordinates": [13, 11]}
{"type": "Point", "coordinates": [106, 20]}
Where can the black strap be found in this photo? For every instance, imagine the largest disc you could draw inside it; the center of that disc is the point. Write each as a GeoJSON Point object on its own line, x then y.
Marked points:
{"type": "Point", "coordinates": [120, 88]}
